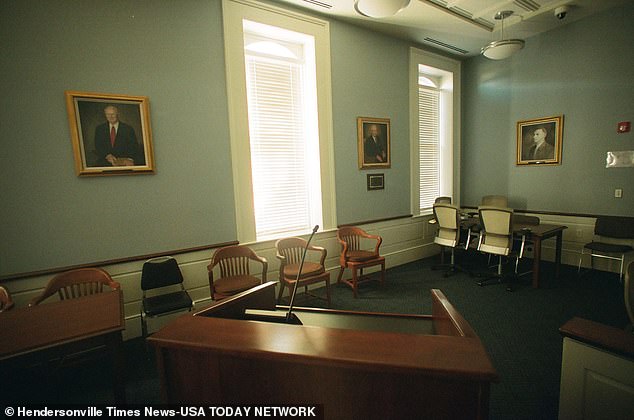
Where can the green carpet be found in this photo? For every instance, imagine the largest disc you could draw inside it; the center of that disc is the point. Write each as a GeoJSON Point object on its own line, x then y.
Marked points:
{"type": "Point", "coordinates": [519, 329]}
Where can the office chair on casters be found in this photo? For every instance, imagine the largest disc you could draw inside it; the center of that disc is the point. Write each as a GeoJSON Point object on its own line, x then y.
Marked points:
{"type": "Point", "coordinates": [355, 257]}
{"type": "Point", "coordinates": [448, 234]}
{"type": "Point", "coordinates": [609, 230]}
{"type": "Point", "coordinates": [289, 252]}
{"type": "Point", "coordinates": [495, 201]}
{"type": "Point", "coordinates": [439, 200]}
{"type": "Point", "coordinates": [496, 239]}
{"type": "Point", "coordinates": [235, 271]}
{"type": "Point", "coordinates": [526, 222]}
{"type": "Point", "coordinates": [163, 276]}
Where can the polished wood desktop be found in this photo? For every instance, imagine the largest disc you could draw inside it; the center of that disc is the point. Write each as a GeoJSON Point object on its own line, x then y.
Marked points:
{"type": "Point", "coordinates": [358, 365]}
{"type": "Point", "coordinates": [42, 332]}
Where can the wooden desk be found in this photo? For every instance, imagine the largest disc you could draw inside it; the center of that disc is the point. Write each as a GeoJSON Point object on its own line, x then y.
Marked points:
{"type": "Point", "coordinates": [358, 365]}
{"type": "Point", "coordinates": [537, 234]}
{"type": "Point", "coordinates": [36, 333]}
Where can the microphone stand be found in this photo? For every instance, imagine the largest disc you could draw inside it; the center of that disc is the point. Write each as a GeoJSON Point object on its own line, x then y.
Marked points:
{"type": "Point", "coordinates": [289, 314]}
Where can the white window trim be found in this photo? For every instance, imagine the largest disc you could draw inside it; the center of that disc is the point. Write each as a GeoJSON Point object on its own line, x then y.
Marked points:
{"type": "Point", "coordinates": [445, 64]}
{"type": "Point", "coordinates": [234, 11]}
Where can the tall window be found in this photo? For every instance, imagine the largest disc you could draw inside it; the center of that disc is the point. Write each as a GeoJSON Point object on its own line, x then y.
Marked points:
{"type": "Point", "coordinates": [281, 141]}
{"type": "Point", "coordinates": [428, 141]}
{"type": "Point", "coordinates": [435, 115]}
{"type": "Point", "coordinates": [283, 138]}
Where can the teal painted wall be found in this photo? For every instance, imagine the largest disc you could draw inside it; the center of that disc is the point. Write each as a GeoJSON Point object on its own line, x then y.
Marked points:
{"type": "Point", "coordinates": [370, 79]}
{"type": "Point", "coordinates": [582, 71]}
{"type": "Point", "coordinates": [171, 52]}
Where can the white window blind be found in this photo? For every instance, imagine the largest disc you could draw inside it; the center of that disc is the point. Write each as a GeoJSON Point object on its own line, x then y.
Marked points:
{"type": "Point", "coordinates": [429, 145]}
{"type": "Point", "coordinates": [278, 138]}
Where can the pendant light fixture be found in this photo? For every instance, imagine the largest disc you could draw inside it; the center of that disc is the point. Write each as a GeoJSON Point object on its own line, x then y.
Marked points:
{"type": "Point", "coordinates": [380, 8]}
{"type": "Point", "coordinates": [504, 48]}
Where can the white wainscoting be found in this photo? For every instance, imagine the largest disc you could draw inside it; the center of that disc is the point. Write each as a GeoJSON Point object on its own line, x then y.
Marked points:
{"type": "Point", "coordinates": [404, 240]}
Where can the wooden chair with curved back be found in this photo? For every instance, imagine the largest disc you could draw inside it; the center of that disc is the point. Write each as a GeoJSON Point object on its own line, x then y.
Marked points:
{"type": "Point", "coordinates": [6, 303]}
{"type": "Point", "coordinates": [289, 252]}
{"type": "Point", "coordinates": [235, 271]}
{"type": "Point", "coordinates": [355, 256]}
{"type": "Point", "coordinates": [76, 283]}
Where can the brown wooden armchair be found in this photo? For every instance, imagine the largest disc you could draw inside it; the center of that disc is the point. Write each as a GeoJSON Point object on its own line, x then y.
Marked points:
{"type": "Point", "coordinates": [77, 283]}
{"type": "Point", "coordinates": [235, 272]}
{"type": "Point", "coordinates": [355, 257]}
{"type": "Point", "coordinates": [6, 302]}
{"type": "Point", "coordinates": [289, 252]}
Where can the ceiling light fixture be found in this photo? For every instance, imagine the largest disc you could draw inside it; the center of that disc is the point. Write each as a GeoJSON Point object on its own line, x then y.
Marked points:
{"type": "Point", "coordinates": [380, 8]}
{"type": "Point", "coordinates": [504, 48]}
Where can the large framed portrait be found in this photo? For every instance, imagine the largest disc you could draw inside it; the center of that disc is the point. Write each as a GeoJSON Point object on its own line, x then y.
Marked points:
{"type": "Point", "coordinates": [373, 142]}
{"type": "Point", "coordinates": [111, 134]}
{"type": "Point", "coordinates": [539, 141]}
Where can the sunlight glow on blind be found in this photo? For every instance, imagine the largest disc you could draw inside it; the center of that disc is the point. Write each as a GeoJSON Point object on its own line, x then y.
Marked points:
{"type": "Point", "coordinates": [429, 145]}
{"type": "Point", "coordinates": [280, 158]}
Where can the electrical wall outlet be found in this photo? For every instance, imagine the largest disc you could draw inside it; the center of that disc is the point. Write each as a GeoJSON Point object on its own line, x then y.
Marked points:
{"type": "Point", "coordinates": [618, 193]}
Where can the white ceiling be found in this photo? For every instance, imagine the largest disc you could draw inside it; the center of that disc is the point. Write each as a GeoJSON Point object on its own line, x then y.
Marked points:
{"type": "Point", "coordinates": [462, 27]}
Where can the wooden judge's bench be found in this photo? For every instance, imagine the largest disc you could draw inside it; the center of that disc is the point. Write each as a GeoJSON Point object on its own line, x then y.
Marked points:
{"type": "Point", "coordinates": [357, 365]}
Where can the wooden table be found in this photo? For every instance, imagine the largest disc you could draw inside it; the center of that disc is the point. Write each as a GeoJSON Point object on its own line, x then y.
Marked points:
{"type": "Point", "coordinates": [47, 330]}
{"type": "Point", "coordinates": [357, 365]}
{"type": "Point", "coordinates": [537, 234]}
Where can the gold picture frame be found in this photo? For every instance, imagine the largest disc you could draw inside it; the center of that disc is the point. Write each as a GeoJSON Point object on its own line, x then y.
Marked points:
{"type": "Point", "coordinates": [373, 143]}
{"type": "Point", "coordinates": [97, 151]}
{"type": "Point", "coordinates": [539, 141]}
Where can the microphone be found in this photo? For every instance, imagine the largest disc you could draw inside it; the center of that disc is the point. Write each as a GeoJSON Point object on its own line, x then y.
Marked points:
{"type": "Point", "coordinates": [289, 314]}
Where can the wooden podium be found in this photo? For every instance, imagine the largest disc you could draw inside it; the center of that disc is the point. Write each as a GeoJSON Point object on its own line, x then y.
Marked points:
{"type": "Point", "coordinates": [358, 365]}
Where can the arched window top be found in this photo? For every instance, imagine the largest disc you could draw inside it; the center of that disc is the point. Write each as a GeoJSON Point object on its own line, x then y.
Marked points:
{"type": "Point", "coordinates": [270, 48]}
{"type": "Point", "coordinates": [426, 81]}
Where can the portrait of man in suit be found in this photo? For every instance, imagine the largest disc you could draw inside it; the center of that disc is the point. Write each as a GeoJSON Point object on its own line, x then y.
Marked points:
{"type": "Point", "coordinates": [540, 149]}
{"type": "Point", "coordinates": [110, 133]}
{"type": "Point", "coordinates": [374, 143]}
{"type": "Point", "coordinates": [539, 141]}
{"type": "Point", "coordinates": [115, 141]}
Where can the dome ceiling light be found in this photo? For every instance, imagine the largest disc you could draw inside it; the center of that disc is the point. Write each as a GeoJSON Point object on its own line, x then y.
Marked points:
{"type": "Point", "coordinates": [504, 48]}
{"type": "Point", "coordinates": [380, 8]}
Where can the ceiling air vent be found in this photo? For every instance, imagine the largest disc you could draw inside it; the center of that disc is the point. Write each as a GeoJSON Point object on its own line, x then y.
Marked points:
{"type": "Point", "coordinates": [319, 3]}
{"type": "Point", "coordinates": [528, 5]}
{"type": "Point", "coordinates": [445, 45]}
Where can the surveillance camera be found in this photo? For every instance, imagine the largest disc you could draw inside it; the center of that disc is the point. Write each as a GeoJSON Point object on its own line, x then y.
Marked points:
{"type": "Point", "coordinates": [561, 12]}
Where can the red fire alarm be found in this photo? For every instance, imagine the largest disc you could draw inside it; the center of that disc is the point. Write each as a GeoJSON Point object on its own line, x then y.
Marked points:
{"type": "Point", "coordinates": [623, 127]}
